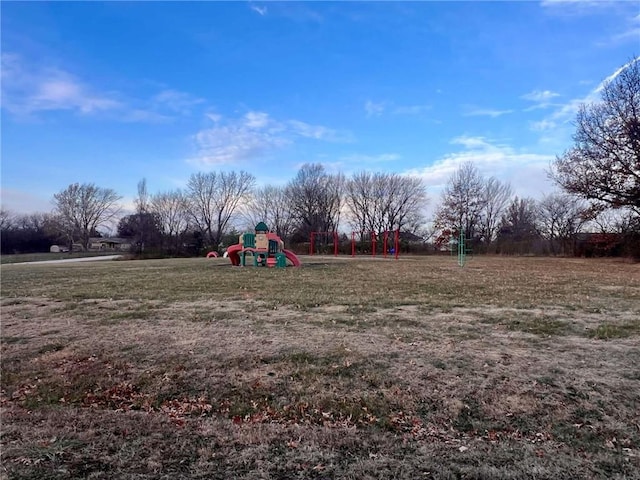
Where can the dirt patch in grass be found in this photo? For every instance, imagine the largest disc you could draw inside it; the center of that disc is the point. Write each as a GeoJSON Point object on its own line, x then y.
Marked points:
{"type": "Point", "coordinates": [372, 369]}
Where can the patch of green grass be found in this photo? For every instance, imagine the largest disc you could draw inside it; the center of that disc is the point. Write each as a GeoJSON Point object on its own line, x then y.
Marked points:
{"type": "Point", "coordinates": [490, 318]}
{"type": "Point", "coordinates": [575, 394]}
{"type": "Point", "coordinates": [607, 331]}
{"type": "Point", "coordinates": [55, 331]}
{"type": "Point", "coordinates": [360, 309]}
{"type": "Point", "coordinates": [6, 302]}
{"type": "Point", "coordinates": [548, 380]}
{"type": "Point", "coordinates": [578, 436]}
{"type": "Point", "coordinates": [325, 361]}
{"type": "Point", "coordinates": [586, 415]}
{"type": "Point", "coordinates": [46, 394]}
{"type": "Point", "coordinates": [436, 362]}
{"type": "Point", "coordinates": [136, 314]}
{"type": "Point", "coordinates": [633, 374]}
{"type": "Point", "coordinates": [306, 358]}
{"type": "Point", "coordinates": [50, 347]}
{"type": "Point", "coordinates": [539, 326]}
{"type": "Point", "coordinates": [9, 340]}
{"type": "Point", "coordinates": [471, 417]}
{"type": "Point", "coordinates": [66, 307]}
{"type": "Point", "coordinates": [211, 315]}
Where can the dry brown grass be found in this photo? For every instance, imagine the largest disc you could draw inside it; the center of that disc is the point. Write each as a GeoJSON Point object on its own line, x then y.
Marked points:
{"type": "Point", "coordinates": [508, 368]}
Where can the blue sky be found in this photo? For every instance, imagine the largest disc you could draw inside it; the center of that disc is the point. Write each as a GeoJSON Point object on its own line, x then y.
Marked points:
{"type": "Point", "coordinates": [115, 92]}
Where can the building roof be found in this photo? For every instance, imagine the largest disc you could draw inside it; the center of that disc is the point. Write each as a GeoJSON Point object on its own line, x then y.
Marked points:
{"type": "Point", "coordinates": [109, 240]}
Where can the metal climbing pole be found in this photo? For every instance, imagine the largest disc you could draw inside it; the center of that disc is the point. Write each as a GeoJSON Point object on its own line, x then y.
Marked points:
{"type": "Point", "coordinates": [462, 249]}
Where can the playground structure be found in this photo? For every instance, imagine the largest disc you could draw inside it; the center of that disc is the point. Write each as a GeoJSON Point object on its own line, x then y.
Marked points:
{"type": "Point", "coordinates": [266, 248]}
{"type": "Point", "coordinates": [373, 236]}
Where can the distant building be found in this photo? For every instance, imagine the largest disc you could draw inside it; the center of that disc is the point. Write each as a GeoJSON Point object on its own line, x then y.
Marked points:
{"type": "Point", "coordinates": [110, 243]}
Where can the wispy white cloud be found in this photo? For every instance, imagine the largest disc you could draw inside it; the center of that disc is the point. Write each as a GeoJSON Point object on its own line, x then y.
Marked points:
{"type": "Point", "coordinates": [143, 116]}
{"type": "Point", "coordinates": [556, 126]}
{"type": "Point", "coordinates": [176, 101]}
{"type": "Point", "coordinates": [297, 11]}
{"type": "Point", "coordinates": [540, 98]}
{"type": "Point", "coordinates": [232, 144]}
{"type": "Point", "coordinates": [575, 6]}
{"type": "Point", "coordinates": [374, 109]}
{"type": "Point", "coordinates": [524, 170]}
{"type": "Point", "coordinates": [257, 120]}
{"type": "Point", "coordinates": [486, 112]}
{"type": "Point", "coordinates": [252, 137]}
{"type": "Point", "coordinates": [214, 117]}
{"type": "Point", "coordinates": [633, 33]}
{"type": "Point", "coordinates": [614, 75]}
{"type": "Point", "coordinates": [259, 10]}
{"type": "Point", "coordinates": [628, 31]}
{"type": "Point", "coordinates": [318, 132]}
{"type": "Point", "coordinates": [568, 111]}
{"type": "Point", "coordinates": [411, 109]}
{"type": "Point", "coordinates": [559, 3]}
{"type": "Point", "coordinates": [27, 90]}
{"type": "Point", "coordinates": [543, 125]}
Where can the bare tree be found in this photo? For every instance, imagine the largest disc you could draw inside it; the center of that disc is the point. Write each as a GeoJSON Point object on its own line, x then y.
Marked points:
{"type": "Point", "coordinates": [214, 199]}
{"type": "Point", "coordinates": [380, 202]}
{"type": "Point", "coordinates": [201, 191]}
{"type": "Point", "coordinates": [518, 226]}
{"type": "Point", "coordinates": [33, 221]}
{"type": "Point", "coordinates": [143, 198]}
{"type": "Point", "coordinates": [463, 202]}
{"type": "Point", "coordinates": [6, 219]}
{"type": "Point", "coordinates": [269, 204]}
{"type": "Point", "coordinates": [315, 199]}
{"type": "Point", "coordinates": [401, 201]}
{"type": "Point", "coordinates": [560, 217]}
{"type": "Point", "coordinates": [604, 164]}
{"type": "Point", "coordinates": [82, 208]}
{"type": "Point", "coordinates": [615, 221]}
{"type": "Point", "coordinates": [361, 199]}
{"type": "Point", "coordinates": [496, 197]}
{"type": "Point", "coordinates": [142, 221]}
{"type": "Point", "coordinates": [171, 208]}
{"type": "Point", "coordinates": [26, 233]}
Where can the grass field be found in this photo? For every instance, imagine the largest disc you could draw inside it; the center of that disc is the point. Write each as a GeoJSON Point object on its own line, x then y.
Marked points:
{"type": "Point", "coordinates": [359, 369]}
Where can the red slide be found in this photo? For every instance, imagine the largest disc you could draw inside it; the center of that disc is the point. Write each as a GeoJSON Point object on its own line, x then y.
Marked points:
{"type": "Point", "coordinates": [232, 253]}
{"type": "Point", "coordinates": [291, 257]}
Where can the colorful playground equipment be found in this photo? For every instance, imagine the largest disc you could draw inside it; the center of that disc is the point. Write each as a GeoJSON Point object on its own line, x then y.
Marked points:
{"type": "Point", "coordinates": [267, 249]}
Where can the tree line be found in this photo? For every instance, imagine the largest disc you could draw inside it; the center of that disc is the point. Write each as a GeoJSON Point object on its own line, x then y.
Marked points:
{"type": "Point", "coordinates": [494, 220]}
{"type": "Point", "coordinates": [214, 205]}
{"type": "Point", "coordinates": [599, 178]}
